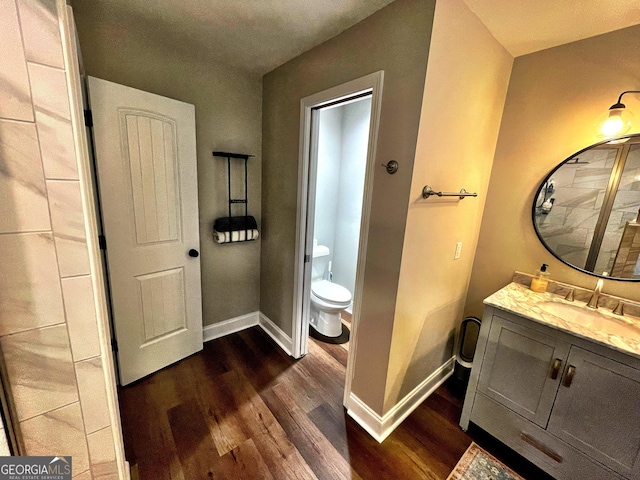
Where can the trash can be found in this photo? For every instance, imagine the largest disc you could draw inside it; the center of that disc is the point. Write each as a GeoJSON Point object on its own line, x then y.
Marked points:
{"type": "Point", "coordinates": [469, 331]}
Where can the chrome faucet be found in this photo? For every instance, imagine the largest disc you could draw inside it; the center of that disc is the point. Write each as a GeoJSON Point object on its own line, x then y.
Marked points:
{"type": "Point", "coordinates": [593, 301]}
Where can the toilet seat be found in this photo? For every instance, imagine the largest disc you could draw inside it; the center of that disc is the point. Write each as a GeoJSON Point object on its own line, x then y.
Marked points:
{"type": "Point", "coordinates": [331, 293]}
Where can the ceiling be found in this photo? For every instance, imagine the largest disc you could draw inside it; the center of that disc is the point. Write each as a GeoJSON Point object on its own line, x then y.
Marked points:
{"type": "Point", "coordinates": [526, 26]}
{"type": "Point", "coordinates": [260, 35]}
{"type": "Point", "coordinates": [254, 35]}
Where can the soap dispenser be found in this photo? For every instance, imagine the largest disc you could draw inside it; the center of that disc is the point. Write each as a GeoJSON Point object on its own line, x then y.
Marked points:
{"type": "Point", "coordinates": [541, 280]}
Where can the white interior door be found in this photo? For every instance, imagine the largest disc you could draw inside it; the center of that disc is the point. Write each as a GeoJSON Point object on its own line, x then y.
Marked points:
{"type": "Point", "coordinates": [145, 149]}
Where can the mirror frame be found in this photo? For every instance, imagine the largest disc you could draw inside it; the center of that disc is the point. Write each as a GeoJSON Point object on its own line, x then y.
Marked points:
{"type": "Point", "coordinates": [547, 178]}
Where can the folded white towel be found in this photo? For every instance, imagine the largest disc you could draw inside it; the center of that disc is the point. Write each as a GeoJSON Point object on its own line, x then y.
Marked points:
{"type": "Point", "coordinates": [235, 236]}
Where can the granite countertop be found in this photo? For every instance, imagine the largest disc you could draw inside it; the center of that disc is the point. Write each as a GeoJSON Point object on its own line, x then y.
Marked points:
{"type": "Point", "coordinates": [621, 333]}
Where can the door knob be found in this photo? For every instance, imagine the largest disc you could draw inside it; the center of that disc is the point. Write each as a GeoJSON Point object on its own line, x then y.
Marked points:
{"type": "Point", "coordinates": [193, 253]}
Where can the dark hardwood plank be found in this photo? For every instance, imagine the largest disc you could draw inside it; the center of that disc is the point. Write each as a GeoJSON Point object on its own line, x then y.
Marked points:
{"type": "Point", "coordinates": [336, 351]}
{"type": "Point", "coordinates": [280, 455]}
{"type": "Point", "coordinates": [194, 445]}
{"type": "Point", "coordinates": [243, 409]}
{"type": "Point", "coordinates": [315, 448]}
{"type": "Point", "coordinates": [242, 463]}
{"type": "Point", "coordinates": [218, 407]}
{"type": "Point", "coordinates": [368, 458]}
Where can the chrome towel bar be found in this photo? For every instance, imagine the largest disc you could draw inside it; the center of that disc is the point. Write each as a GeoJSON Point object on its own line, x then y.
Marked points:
{"type": "Point", "coordinates": [428, 191]}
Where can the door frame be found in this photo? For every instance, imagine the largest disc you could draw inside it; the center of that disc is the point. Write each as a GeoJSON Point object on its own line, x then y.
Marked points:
{"type": "Point", "coordinates": [72, 64]}
{"type": "Point", "coordinates": [306, 209]}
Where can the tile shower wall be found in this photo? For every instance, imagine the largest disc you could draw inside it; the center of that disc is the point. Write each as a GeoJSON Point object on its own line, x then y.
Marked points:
{"type": "Point", "coordinates": [579, 192]}
{"type": "Point", "coordinates": [48, 326]}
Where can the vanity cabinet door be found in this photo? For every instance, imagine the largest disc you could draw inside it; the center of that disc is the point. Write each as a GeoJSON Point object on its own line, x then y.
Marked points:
{"type": "Point", "coordinates": [521, 369]}
{"type": "Point", "coordinates": [598, 411]}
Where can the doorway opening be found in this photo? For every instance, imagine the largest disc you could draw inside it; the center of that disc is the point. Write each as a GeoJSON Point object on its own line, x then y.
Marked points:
{"type": "Point", "coordinates": [338, 136]}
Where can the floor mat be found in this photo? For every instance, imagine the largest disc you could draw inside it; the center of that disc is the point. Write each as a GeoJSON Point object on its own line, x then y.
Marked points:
{"type": "Point", "coordinates": [477, 464]}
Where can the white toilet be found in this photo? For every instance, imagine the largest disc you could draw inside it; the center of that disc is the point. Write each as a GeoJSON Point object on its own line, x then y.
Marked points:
{"type": "Point", "coordinates": [328, 299]}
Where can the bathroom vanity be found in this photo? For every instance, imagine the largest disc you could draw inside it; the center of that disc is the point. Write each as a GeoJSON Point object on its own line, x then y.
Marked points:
{"type": "Point", "coordinates": [559, 383]}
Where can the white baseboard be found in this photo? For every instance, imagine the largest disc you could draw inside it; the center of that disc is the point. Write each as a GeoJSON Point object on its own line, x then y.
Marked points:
{"type": "Point", "coordinates": [233, 325]}
{"type": "Point", "coordinates": [275, 332]}
{"type": "Point", "coordinates": [366, 418]}
{"type": "Point", "coordinates": [381, 427]}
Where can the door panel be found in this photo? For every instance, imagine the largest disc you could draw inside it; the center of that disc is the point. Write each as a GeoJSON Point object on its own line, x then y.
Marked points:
{"type": "Point", "coordinates": [162, 297]}
{"type": "Point", "coordinates": [152, 158]}
{"type": "Point", "coordinates": [146, 168]}
{"type": "Point", "coordinates": [598, 412]}
{"type": "Point", "coordinates": [517, 369]}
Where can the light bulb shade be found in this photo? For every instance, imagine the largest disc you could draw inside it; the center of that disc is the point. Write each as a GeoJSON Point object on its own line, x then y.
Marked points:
{"type": "Point", "coordinates": [616, 121]}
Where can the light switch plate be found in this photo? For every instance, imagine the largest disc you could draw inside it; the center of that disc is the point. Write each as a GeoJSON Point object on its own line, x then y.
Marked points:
{"type": "Point", "coordinates": [458, 250]}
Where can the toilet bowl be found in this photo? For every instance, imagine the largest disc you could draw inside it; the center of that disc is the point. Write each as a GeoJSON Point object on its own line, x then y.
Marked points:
{"type": "Point", "coordinates": [328, 300]}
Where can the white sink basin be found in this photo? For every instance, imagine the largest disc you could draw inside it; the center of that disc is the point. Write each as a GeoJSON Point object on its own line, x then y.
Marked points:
{"type": "Point", "coordinates": [600, 320]}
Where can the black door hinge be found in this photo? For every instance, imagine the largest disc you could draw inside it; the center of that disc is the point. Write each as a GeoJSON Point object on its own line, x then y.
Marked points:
{"type": "Point", "coordinates": [307, 258]}
{"type": "Point", "coordinates": [102, 242]}
{"type": "Point", "coordinates": [114, 345]}
{"type": "Point", "coordinates": [88, 118]}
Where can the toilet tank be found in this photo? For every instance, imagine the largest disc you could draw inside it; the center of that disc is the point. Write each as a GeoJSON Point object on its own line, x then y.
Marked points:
{"type": "Point", "coordinates": [319, 262]}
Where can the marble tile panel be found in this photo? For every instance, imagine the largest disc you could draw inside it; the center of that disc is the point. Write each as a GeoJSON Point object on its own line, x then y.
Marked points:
{"type": "Point", "coordinates": [81, 317]}
{"type": "Point", "coordinates": [93, 394]}
{"type": "Point", "coordinates": [23, 195]}
{"type": "Point", "coordinates": [592, 178]}
{"type": "Point", "coordinates": [15, 93]}
{"type": "Point", "coordinates": [30, 293]}
{"type": "Point", "coordinates": [573, 254]}
{"type": "Point", "coordinates": [53, 119]}
{"type": "Point", "coordinates": [563, 177]}
{"type": "Point", "coordinates": [627, 201]}
{"type": "Point", "coordinates": [83, 476]}
{"type": "Point", "coordinates": [102, 454]}
{"type": "Point", "coordinates": [633, 159]}
{"type": "Point", "coordinates": [555, 234]}
{"type": "Point", "coordinates": [599, 157]}
{"type": "Point", "coordinates": [41, 32]}
{"type": "Point", "coordinates": [557, 216]}
{"type": "Point", "coordinates": [630, 179]}
{"type": "Point", "coordinates": [611, 241]}
{"type": "Point", "coordinates": [575, 197]}
{"type": "Point", "coordinates": [628, 217]}
{"type": "Point", "coordinates": [40, 370]}
{"type": "Point", "coordinates": [58, 432]}
{"type": "Point", "coordinates": [582, 218]}
{"type": "Point", "coordinates": [67, 219]}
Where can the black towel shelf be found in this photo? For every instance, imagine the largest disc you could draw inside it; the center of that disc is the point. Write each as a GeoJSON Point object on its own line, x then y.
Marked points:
{"type": "Point", "coordinates": [239, 228]}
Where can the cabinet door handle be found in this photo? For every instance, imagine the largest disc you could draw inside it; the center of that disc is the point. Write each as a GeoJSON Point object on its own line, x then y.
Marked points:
{"type": "Point", "coordinates": [568, 377]}
{"type": "Point", "coordinates": [538, 446]}
{"type": "Point", "coordinates": [555, 368]}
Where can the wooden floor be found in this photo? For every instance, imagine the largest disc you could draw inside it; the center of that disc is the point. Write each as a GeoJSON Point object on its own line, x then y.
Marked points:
{"type": "Point", "coordinates": [242, 409]}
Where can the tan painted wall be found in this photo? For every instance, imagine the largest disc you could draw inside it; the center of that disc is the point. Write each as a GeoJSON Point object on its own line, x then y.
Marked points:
{"type": "Point", "coordinates": [465, 89]}
{"type": "Point", "coordinates": [396, 40]}
{"type": "Point", "coordinates": [554, 98]}
{"type": "Point", "coordinates": [228, 118]}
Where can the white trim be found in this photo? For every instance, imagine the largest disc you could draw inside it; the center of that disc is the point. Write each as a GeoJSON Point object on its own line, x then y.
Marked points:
{"type": "Point", "coordinates": [237, 324]}
{"type": "Point", "coordinates": [276, 333]}
{"type": "Point", "coordinates": [381, 427]}
{"type": "Point", "coordinates": [81, 145]}
{"type": "Point", "coordinates": [233, 325]}
{"type": "Point", "coordinates": [300, 321]}
{"type": "Point", "coordinates": [365, 417]}
{"type": "Point", "coordinates": [377, 80]}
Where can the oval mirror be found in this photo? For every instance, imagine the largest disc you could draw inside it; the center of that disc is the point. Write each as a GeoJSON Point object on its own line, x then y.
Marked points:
{"type": "Point", "coordinates": [586, 212]}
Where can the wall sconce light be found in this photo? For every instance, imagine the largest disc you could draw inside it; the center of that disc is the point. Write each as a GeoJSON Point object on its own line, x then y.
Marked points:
{"type": "Point", "coordinates": [617, 120]}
